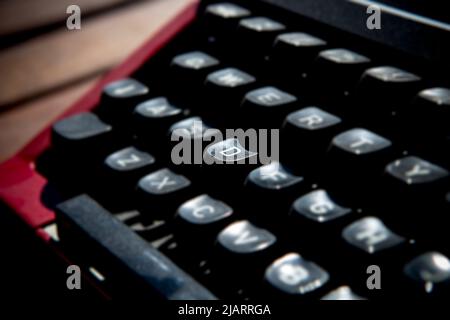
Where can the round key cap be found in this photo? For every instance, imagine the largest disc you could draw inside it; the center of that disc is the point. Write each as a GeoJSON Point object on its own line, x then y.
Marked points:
{"type": "Point", "coordinates": [119, 99]}
{"type": "Point", "coordinates": [426, 122]}
{"type": "Point", "coordinates": [388, 84]}
{"type": "Point", "coordinates": [160, 193]}
{"type": "Point", "coordinates": [270, 190]}
{"type": "Point", "coordinates": [428, 275]}
{"type": "Point", "coordinates": [124, 167]}
{"type": "Point", "coordinates": [342, 293]}
{"type": "Point", "coordinates": [267, 107]}
{"type": "Point", "coordinates": [199, 220]}
{"type": "Point", "coordinates": [221, 19]}
{"type": "Point", "coordinates": [242, 252]}
{"type": "Point", "coordinates": [292, 276]}
{"type": "Point", "coordinates": [305, 137]}
{"type": "Point", "coordinates": [357, 156]}
{"type": "Point", "coordinates": [336, 71]}
{"type": "Point", "coordinates": [187, 74]}
{"type": "Point", "coordinates": [258, 33]}
{"type": "Point", "coordinates": [380, 95]}
{"type": "Point", "coordinates": [413, 188]}
{"type": "Point", "coordinates": [152, 119]}
{"type": "Point", "coordinates": [296, 48]}
{"type": "Point", "coordinates": [82, 136]}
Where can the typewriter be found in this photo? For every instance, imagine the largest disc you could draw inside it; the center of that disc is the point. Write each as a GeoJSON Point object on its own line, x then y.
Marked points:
{"type": "Point", "coordinates": [356, 205]}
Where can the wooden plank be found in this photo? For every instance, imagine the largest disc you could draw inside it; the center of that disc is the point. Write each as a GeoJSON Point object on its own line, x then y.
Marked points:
{"type": "Point", "coordinates": [19, 125]}
{"type": "Point", "coordinates": [64, 57]}
{"type": "Point", "coordinates": [23, 15]}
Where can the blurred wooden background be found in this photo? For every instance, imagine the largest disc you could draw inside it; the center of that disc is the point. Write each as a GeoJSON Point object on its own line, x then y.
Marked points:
{"type": "Point", "coordinates": [44, 67]}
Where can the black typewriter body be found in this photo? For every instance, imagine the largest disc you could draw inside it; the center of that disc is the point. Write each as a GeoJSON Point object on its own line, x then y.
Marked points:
{"type": "Point", "coordinates": [364, 159]}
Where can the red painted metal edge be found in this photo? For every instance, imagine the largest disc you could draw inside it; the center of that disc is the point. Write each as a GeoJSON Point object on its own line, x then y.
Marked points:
{"type": "Point", "coordinates": [20, 184]}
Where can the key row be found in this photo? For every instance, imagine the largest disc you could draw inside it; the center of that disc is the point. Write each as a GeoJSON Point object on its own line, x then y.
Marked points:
{"type": "Point", "coordinates": [407, 183]}
{"type": "Point", "coordinates": [380, 95]}
{"type": "Point", "coordinates": [357, 157]}
{"type": "Point", "coordinates": [262, 107]}
{"type": "Point", "coordinates": [297, 48]}
{"type": "Point", "coordinates": [233, 98]}
{"type": "Point", "coordinates": [160, 190]}
{"type": "Point", "coordinates": [310, 134]}
{"type": "Point", "coordinates": [200, 219]}
{"type": "Point", "coordinates": [291, 273]}
{"type": "Point", "coordinates": [164, 183]}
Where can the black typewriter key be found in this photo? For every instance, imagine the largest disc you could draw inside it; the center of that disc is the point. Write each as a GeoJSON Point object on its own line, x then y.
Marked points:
{"type": "Point", "coordinates": [256, 35]}
{"type": "Point", "coordinates": [432, 106]}
{"type": "Point", "coordinates": [242, 237]}
{"type": "Point", "coordinates": [269, 190]}
{"type": "Point", "coordinates": [292, 277]}
{"type": "Point", "coordinates": [412, 184]}
{"type": "Point", "coordinates": [193, 65]}
{"type": "Point", "coordinates": [413, 171]}
{"type": "Point", "coordinates": [244, 247]}
{"type": "Point", "coordinates": [297, 45]}
{"type": "Point", "coordinates": [221, 19]}
{"type": "Point", "coordinates": [161, 192]}
{"type": "Point", "coordinates": [357, 142]}
{"type": "Point", "coordinates": [306, 135]}
{"type": "Point", "coordinates": [199, 220]}
{"type": "Point", "coordinates": [228, 79]}
{"type": "Point", "coordinates": [79, 144]}
{"type": "Point", "coordinates": [318, 206]}
{"type": "Point", "coordinates": [272, 176]}
{"type": "Point", "coordinates": [336, 71]}
{"type": "Point", "coordinates": [388, 84]}
{"type": "Point", "coordinates": [229, 161]}
{"type": "Point", "coordinates": [428, 111]}
{"type": "Point", "coordinates": [129, 159]}
{"type": "Point", "coordinates": [124, 167]}
{"type": "Point", "coordinates": [360, 141]}
{"type": "Point", "coordinates": [241, 252]}
{"type": "Point", "coordinates": [317, 216]}
{"type": "Point", "coordinates": [292, 56]}
{"type": "Point", "coordinates": [381, 93]}
{"type": "Point", "coordinates": [153, 118]}
{"type": "Point", "coordinates": [357, 156]}
{"type": "Point", "coordinates": [428, 276]}
{"type": "Point", "coordinates": [371, 235]}
{"type": "Point", "coordinates": [82, 136]}
{"type": "Point", "coordinates": [267, 107]}
{"type": "Point", "coordinates": [119, 99]}
{"type": "Point", "coordinates": [192, 126]}
{"type": "Point", "coordinates": [312, 123]}
{"type": "Point", "coordinates": [225, 89]}
{"type": "Point", "coordinates": [367, 242]}
{"type": "Point", "coordinates": [342, 293]}
{"type": "Point", "coordinates": [416, 180]}
{"type": "Point", "coordinates": [188, 72]}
